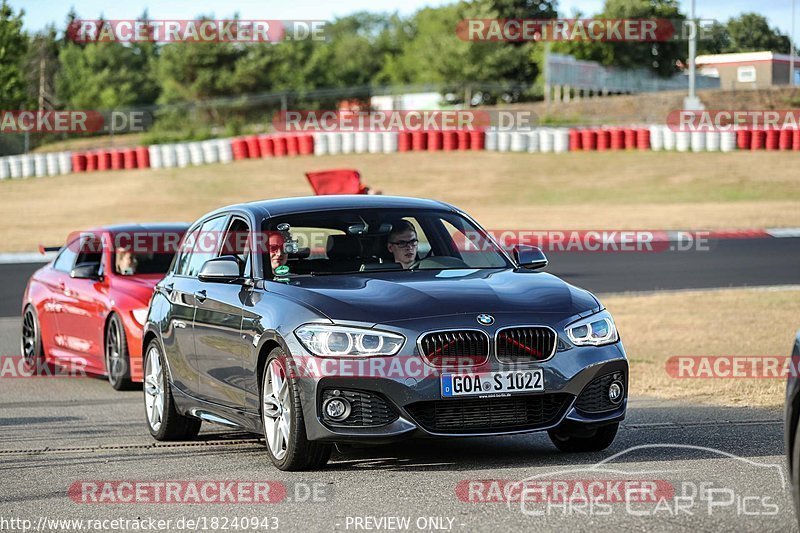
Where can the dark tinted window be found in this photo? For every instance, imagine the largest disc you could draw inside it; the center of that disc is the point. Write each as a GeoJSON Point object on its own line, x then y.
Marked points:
{"type": "Point", "coordinates": [206, 244]}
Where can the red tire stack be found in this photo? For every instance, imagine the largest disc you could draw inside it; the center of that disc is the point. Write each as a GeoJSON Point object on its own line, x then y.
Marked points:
{"type": "Point", "coordinates": [239, 148]}
{"type": "Point", "coordinates": [462, 137]}
{"type": "Point", "coordinates": [266, 146]}
{"type": "Point", "coordinates": [588, 139]}
{"type": "Point", "coordinates": [757, 139]}
{"type": "Point", "coordinates": [643, 139]}
{"type": "Point", "coordinates": [116, 160]}
{"type": "Point", "coordinates": [103, 160]}
{"type": "Point", "coordinates": [419, 140]}
{"type": "Point", "coordinates": [477, 139]}
{"type": "Point", "coordinates": [449, 140]}
{"type": "Point", "coordinates": [786, 139]}
{"type": "Point", "coordinates": [772, 139]}
{"type": "Point", "coordinates": [434, 141]}
{"type": "Point", "coordinates": [129, 159]}
{"type": "Point", "coordinates": [142, 157]}
{"type": "Point", "coordinates": [630, 138]}
{"type": "Point", "coordinates": [78, 162]}
{"type": "Point", "coordinates": [292, 145]}
{"type": "Point", "coordinates": [617, 138]}
{"type": "Point", "coordinates": [575, 143]}
{"type": "Point", "coordinates": [91, 161]}
{"type": "Point", "coordinates": [305, 144]}
{"type": "Point", "coordinates": [253, 150]}
{"type": "Point", "coordinates": [403, 141]}
{"type": "Point", "coordinates": [603, 140]}
{"type": "Point", "coordinates": [744, 139]}
{"type": "Point", "coordinates": [796, 140]}
{"type": "Point", "coordinates": [279, 146]}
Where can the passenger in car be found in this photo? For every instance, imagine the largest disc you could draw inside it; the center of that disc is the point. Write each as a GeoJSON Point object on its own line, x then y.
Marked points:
{"type": "Point", "coordinates": [277, 250]}
{"type": "Point", "coordinates": [402, 243]}
{"type": "Point", "coordinates": [125, 262]}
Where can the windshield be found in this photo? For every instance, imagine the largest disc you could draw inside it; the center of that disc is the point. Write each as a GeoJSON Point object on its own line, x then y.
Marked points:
{"type": "Point", "coordinates": [370, 240]}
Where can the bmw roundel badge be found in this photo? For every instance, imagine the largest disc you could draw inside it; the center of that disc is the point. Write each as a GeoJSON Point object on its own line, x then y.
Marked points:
{"type": "Point", "coordinates": [486, 320]}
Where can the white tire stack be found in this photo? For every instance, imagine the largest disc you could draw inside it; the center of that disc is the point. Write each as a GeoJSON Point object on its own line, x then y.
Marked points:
{"type": "Point", "coordinates": [28, 166]}
{"type": "Point", "coordinates": [374, 142]}
{"type": "Point", "coordinates": [519, 141]}
{"type": "Point", "coordinates": [713, 141]}
{"type": "Point", "coordinates": [682, 141]}
{"type": "Point", "coordinates": [5, 170]}
{"type": "Point", "coordinates": [348, 142]}
{"type": "Point", "coordinates": [503, 141]}
{"type": "Point", "coordinates": [698, 141]}
{"type": "Point", "coordinates": [490, 141]}
{"type": "Point", "coordinates": [225, 150]}
{"type": "Point", "coordinates": [39, 165]}
{"type": "Point", "coordinates": [156, 161]}
{"type": "Point", "coordinates": [15, 166]}
{"type": "Point", "coordinates": [335, 142]}
{"type": "Point", "coordinates": [210, 151]}
{"type": "Point", "coordinates": [727, 141]}
{"type": "Point", "coordinates": [389, 142]}
{"type": "Point", "coordinates": [657, 138]}
{"type": "Point", "coordinates": [168, 156]}
{"type": "Point", "coordinates": [182, 156]}
{"type": "Point", "coordinates": [52, 163]}
{"type": "Point", "coordinates": [65, 162]}
{"type": "Point", "coordinates": [320, 143]}
{"type": "Point", "coordinates": [561, 140]}
{"type": "Point", "coordinates": [533, 141]}
{"type": "Point", "coordinates": [361, 144]}
{"type": "Point", "coordinates": [669, 138]}
{"type": "Point", "coordinates": [195, 153]}
{"type": "Point", "coordinates": [546, 140]}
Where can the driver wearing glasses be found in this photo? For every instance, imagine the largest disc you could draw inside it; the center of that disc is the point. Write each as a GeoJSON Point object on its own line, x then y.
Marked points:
{"type": "Point", "coordinates": [403, 243]}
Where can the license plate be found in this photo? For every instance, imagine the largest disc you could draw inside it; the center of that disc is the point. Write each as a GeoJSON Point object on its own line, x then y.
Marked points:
{"type": "Point", "coordinates": [508, 382]}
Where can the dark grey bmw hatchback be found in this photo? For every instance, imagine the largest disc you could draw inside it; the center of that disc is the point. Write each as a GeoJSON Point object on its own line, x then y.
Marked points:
{"type": "Point", "coordinates": [369, 319]}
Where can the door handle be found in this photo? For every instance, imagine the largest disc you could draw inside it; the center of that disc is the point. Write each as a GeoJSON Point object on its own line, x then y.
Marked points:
{"type": "Point", "coordinates": [180, 324]}
{"type": "Point", "coordinates": [200, 296]}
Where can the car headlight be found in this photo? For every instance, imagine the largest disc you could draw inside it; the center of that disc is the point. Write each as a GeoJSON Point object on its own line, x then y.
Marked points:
{"type": "Point", "coordinates": [339, 341]}
{"type": "Point", "coordinates": [596, 330]}
{"type": "Point", "coordinates": [140, 315]}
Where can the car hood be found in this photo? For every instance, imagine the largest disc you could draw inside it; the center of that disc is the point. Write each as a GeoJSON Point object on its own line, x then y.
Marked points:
{"type": "Point", "coordinates": [395, 296]}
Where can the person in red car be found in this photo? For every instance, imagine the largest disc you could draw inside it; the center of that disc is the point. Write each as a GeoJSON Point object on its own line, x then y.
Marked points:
{"type": "Point", "coordinates": [126, 262]}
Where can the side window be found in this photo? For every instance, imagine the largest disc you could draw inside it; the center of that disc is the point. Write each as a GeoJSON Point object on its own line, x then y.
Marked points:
{"type": "Point", "coordinates": [186, 252]}
{"type": "Point", "coordinates": [206, 244]}
{"type": "Point", "coordinates": [237, 244]}
{"type": "Point", "coordinates": [66, 259]}
{"type": "Point", "coordinates": [91, 252]}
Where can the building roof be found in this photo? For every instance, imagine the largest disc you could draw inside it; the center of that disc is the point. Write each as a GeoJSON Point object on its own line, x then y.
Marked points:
{"type": "Point", "coordinates": [744, 57]}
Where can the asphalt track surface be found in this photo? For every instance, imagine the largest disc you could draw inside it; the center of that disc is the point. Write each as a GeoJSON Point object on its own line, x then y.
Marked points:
{"type": "Point", "coordinates": [720, 263]}
{"type": "Point", "coordinates": [717, 469]}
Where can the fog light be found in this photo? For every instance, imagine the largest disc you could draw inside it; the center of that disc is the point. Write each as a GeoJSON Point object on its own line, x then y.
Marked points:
{"type": "Point", "coordinates": [615, 391]}
{"type": "Point", "coordinates": [336, 408]}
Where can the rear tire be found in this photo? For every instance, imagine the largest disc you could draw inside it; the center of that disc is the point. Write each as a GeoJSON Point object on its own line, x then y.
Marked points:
{"type": "Point", "coordinates": [118, 363]}
{"type": "Point", "coordinates": [163, 419]}
{"type": "Point", "coordinates": [594, 440]}
{"type": "Point", "coordinates": [282, 418]}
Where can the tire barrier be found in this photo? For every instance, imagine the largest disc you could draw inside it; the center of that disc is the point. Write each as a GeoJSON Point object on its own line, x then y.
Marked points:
{"type": "Point", "coordinates": [535, 140]}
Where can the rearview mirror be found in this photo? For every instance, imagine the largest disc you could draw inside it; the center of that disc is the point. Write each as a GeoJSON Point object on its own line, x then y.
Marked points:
{"type": "Point", "coordinates": [530, 257]}
{"type": "Point", "coordinates": [86, 271]}
{"type": "Point", "coordinates": [220, 270]}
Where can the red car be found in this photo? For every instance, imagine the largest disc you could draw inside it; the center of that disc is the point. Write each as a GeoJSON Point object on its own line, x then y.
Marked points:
{"type": "Point", "coordinates": [86, 308]}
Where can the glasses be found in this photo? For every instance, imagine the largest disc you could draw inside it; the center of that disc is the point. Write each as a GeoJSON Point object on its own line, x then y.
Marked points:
{"type": "Point", "coordinates": [405, 244]}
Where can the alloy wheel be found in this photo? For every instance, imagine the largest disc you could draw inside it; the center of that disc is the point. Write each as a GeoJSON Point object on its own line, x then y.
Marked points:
{"type": "Point", "coordinates": [276, 408]}
{"type": "Point", "coordinates": [154, 389]}
{"type": "Point", "coordinates": [29, 337]}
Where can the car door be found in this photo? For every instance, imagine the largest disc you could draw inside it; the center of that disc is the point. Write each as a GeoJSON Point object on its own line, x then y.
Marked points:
{"type": "Point", "coordinates": [221, 350]}
{"type": "Point", "coordinates": [54, 281]}
{"type": "Point", "coordinates": [82, 306]}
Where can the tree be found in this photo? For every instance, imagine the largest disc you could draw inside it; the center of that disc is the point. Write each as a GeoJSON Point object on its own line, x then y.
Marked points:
{"type": "Point", "coordinates": [13, 47]}
{"type": "Point", "coordinates": [750, 32]}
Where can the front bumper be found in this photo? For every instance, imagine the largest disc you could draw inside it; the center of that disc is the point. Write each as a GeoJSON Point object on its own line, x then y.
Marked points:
{"type": "Point", "coordinates": [418, 409]}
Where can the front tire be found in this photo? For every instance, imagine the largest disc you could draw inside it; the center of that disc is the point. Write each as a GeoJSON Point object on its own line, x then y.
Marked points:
{"type": "Point", "coordinates": [163, 419]}
{"type": "Point", "coordinates": [118, 363]}
{"type": "Point", "coordinates": [592, 440]}
{"type": "Point", "coordinates": [31, 342]}
{"type": "Point", "coordinates": [282, 418]}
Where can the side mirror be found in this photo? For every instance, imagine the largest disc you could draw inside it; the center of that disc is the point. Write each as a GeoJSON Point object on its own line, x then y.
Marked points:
{"type": "Point", "coordinates": [86, 271]}
{"type": "Point", "coordinates": [223, 269]}
{"type": "Point", "coordinates": [530, 257]}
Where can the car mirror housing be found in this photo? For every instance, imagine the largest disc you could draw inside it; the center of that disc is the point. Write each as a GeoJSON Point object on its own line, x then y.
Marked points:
{"type": "Point", "coordinates": [223, 269]}
{"type": "Point", "coordinates": [86, 271]}
{"type": "Point", "coordinates": [530, 257]}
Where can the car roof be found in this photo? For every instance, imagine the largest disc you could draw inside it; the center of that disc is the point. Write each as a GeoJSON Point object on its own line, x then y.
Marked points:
{"type": "Point", "coordinates": [302, 204]}
{"type": "Point", "coordinates": [143, 227]}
